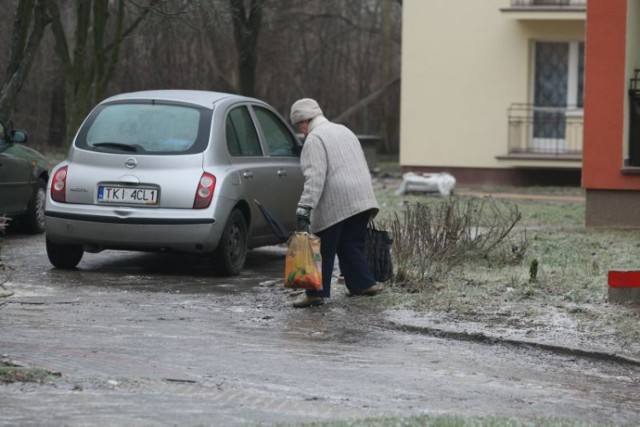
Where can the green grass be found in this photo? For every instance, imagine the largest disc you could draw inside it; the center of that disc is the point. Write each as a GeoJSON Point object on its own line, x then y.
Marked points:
{"type": "Point", "coordinates": [11, 374]}
{"type": "Point", "coordinates": [556, 214]}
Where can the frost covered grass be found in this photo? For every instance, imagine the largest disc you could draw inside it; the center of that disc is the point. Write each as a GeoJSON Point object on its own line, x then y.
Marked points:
{"type": "Point", "coordinates": [564, 266]}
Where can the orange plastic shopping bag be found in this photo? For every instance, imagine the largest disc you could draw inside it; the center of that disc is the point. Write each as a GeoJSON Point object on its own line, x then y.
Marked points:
{"type": "Point", "coordinates": [303, 265]}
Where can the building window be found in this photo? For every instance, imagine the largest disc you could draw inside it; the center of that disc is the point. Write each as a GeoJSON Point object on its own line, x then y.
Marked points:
{"type": "Point", "coordinates": [559, 74]}
{"type": "Point", "coordinates": [557, 92]}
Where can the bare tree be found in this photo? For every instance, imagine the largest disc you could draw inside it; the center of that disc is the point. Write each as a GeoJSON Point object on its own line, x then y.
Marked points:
{"type": "Point", "coordinates": [193, 49]}
{"type": "Point", "coordinates": [89, 58]}
{"type": "Point", "coordinates": [29, 23]}
{"type": "Point", "coordinates": [346, 54]}
{"type": "Point", "coordinates": [247, 20]}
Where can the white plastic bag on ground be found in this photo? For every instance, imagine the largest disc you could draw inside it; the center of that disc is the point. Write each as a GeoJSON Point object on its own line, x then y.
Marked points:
{"type": "Point", "coordinates": [442, 183]}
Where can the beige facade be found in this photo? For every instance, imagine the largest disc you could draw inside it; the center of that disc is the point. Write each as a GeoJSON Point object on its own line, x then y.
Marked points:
{"type": "Point", "coordinates": [468, 66]}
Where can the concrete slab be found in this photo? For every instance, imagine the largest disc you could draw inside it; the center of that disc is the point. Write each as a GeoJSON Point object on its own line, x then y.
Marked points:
{"type": "Point", "coordinates": [624, 286]}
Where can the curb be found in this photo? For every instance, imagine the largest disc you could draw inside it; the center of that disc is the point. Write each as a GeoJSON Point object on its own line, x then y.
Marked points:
{"type": "Point", "coordinates": [483, 338]}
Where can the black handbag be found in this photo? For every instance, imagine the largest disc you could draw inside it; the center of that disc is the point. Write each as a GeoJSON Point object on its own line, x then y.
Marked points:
{"type": "Point", "coordinates": [377, 250]}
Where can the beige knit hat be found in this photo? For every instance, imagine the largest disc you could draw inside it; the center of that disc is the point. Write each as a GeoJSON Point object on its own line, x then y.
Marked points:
{"type": "Point", "coordinates": [304, 109]}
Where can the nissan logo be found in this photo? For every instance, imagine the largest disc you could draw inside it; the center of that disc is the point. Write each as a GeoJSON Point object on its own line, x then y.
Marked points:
{"type": "Point", "coordinates": [131, 163]}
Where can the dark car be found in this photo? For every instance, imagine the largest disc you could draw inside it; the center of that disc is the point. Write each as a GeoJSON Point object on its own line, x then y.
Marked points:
{"type": "Point", "coordinates": [23, 181]}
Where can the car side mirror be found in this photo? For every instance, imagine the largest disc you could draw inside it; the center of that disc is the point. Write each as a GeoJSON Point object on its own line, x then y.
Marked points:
{"type": "Point", "coordinates": [19, 136]}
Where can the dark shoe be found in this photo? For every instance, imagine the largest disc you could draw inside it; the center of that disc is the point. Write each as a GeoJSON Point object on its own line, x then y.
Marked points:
{"type": "Point", "coordinates": [369, 292]}
{"type": "Point", "coordinates": [305, 300]}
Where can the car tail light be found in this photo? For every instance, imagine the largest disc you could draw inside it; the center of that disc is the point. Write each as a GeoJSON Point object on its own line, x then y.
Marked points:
{"type": "Point", "coordinates": [204, 194]}
{"type": "Point", "coordinates": [59, 185]}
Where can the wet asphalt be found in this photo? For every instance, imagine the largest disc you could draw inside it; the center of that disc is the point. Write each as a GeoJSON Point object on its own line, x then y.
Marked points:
{"type": "Point", "coordinates": [157, 339]}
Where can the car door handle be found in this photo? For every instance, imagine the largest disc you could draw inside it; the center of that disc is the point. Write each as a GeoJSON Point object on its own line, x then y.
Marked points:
{"type": "Point", "coordinates": [247, 174]}
{"type": "Point", "coordinates": [282, 172]}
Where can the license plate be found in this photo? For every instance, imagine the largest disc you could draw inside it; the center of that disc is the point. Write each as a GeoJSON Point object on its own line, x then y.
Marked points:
{"type": "Point", "coordinates": [128, 195]}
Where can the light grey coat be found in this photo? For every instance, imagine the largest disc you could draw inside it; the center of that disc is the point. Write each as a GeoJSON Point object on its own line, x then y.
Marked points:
{"type": "Point", "coordinates": [337, 182]}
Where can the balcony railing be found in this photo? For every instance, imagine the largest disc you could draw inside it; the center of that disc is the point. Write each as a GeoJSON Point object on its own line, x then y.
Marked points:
{"type": "Point", "coordinates": [549, 3]}
{"type": "Point", "coordinates": [547, 131]}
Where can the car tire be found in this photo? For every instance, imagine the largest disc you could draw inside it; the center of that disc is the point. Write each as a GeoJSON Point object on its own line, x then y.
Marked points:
{"type": "Point", "coordinates": [231, 253]}
{"type": "Point", "coordinates": [64, 256]}
{"type": "Point", "coordinates": [33, 221]}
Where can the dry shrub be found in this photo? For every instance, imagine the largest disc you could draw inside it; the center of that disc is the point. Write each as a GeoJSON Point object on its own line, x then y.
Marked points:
{"type": "Point", "coordinates": [430, 241]}
{"type": "Point", "coordinates": [4, 223]}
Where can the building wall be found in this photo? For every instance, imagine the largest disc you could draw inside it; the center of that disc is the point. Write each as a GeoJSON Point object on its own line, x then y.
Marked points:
{"type": "Point", "coordinates": [464, 63]}
{"type": "Point", "coordinates": [605, 96]}
{"type": "Point", "coordinates": [632, 58]}
{"type": "Point", "coordinates": [613, 52]}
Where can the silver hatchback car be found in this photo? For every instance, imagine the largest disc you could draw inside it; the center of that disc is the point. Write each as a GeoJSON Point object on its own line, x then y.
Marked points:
{"type": "Point", "coordinates": [174, 170]}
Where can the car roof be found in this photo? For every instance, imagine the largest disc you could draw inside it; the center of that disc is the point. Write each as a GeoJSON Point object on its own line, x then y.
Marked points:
{"type": "Point", "coordinates": [199, 97]}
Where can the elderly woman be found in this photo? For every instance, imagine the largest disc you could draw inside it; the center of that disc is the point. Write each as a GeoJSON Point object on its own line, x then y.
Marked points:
{"type": "Point", "coordinates": [337, 201]}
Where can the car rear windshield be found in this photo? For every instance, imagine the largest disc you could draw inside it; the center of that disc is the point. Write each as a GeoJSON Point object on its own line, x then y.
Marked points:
{"type": "Point", "coordinates": [146, 128]}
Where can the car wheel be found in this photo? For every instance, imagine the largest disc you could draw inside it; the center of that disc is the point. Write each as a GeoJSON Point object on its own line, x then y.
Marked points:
{"type": "Point", "coordinates": [34, 219]}
{"type": "Point", "coordinates": [231, 253]}
{"type": "Point", "coordinates": [64, 256]}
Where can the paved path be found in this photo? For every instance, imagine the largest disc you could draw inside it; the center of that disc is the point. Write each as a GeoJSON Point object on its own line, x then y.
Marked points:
{"type": "Point", "coordinates": [153, 339]}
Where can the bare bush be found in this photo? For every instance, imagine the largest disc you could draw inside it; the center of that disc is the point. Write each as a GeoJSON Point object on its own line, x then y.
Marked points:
{"type": "Point", "coordinates": [430, 241]}
{"type": "Point", "coordinates": [4, 223]}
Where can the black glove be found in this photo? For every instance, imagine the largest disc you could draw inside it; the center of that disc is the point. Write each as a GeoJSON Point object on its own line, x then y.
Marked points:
{"type": "Point", "coordinates": [303, 214]}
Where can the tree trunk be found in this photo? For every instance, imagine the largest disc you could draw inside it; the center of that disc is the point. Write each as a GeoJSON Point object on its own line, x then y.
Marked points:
{"type": "Point", "coordinates": [57, 116]}
{"type": "Point", "coordinates": [90, 67]}
{"type": "Point", "coordinates": [369, 99]}
{"type": "Point", "coordinates": [246, 29]}
{"type": "Point", "coordinates": [386, 73]}
{"type": "Point", "coordinates": [28, 28]}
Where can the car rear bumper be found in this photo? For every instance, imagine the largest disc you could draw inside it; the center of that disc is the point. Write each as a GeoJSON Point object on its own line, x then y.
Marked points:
{"type": "Point", "coordinates": [129, 220]}
{"type": "Point", "coordinates": [96, 232]}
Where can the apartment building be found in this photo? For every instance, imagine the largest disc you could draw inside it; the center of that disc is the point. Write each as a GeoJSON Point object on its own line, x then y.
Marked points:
{"type": "Point", "coordinates": [493, 90]}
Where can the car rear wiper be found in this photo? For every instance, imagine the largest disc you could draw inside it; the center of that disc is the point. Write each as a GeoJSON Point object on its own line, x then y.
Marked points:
{"type": "Point", "coordinates": [117, 146]}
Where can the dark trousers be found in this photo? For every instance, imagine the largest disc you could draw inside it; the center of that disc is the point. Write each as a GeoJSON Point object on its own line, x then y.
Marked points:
{"type": "Point", "coordinates": [345, 239]}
